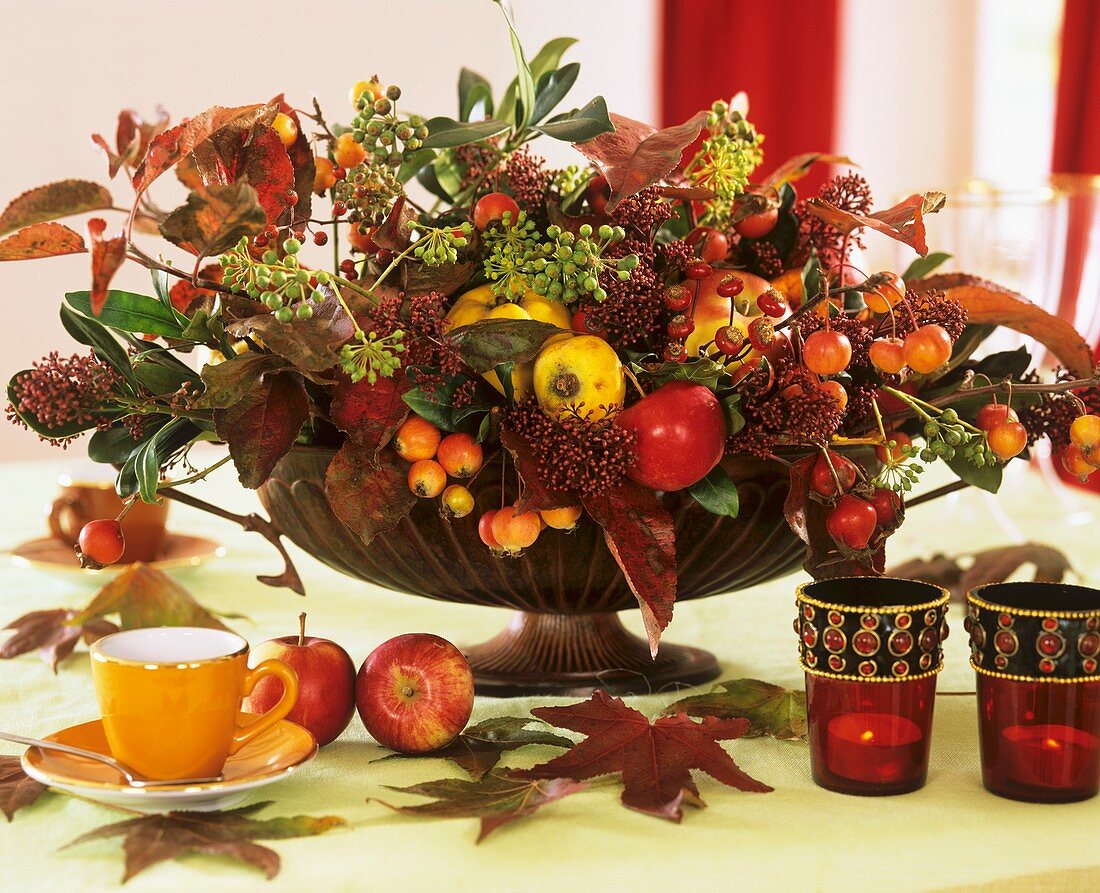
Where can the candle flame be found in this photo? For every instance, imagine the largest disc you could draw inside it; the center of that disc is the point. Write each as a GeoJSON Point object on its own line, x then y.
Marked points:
{"type": "Point", "coordinates": [1052, 744]}
{"type": "Point", "coordinates": [867, 737]}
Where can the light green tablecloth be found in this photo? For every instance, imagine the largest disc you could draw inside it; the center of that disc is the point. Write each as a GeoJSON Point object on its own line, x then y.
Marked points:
{"type": "Point", "coordinates": [952, 834]}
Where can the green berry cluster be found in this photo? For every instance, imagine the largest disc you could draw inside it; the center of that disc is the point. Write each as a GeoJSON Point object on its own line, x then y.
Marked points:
{"type": "Point", "coordinates": [725, 160]}
{"type": "Point", "coordinates": [572, 264]}
{"type": "Point", "coordinates": [899, 473]}
{"type": "Point", "coordinates": [440, 245]}
{"type": "Point", "coordinates": [563, 267]}
{"type": "Point", "coordinates": [369, 191]}
{"type": "Point", "coordinates": [278, 282]}
{"type": "Point", "coordinates": [947, 435]}
{"type": "Point", "coordinates": [368, 356]}
{"type": "Point", "coordinates": [388, 139]}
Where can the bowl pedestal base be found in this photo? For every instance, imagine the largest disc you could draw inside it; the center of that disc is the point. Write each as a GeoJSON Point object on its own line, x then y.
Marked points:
{"type": "Point", "coordinates": [575, 654]}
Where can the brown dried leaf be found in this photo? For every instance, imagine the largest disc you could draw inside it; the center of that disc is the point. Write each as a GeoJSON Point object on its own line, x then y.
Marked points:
{"type": "Point", "coordinates": [215, 219]}
{"type": "Point", "coordinates": [151, 839]}
{"type": "Point", "coordinates": [41, 240]}
{"type": "Point", "coordinates": [536, 495]}
{"type": "Point", "coordinates": [310, 344]}
{"type": "Point", "coordinates": [53, 633]}
{"type": "Point", "coordinates": [990, 566]}
{"type": "Point", "coordinates": [17, 789]}
{"type": "Point", "coordinates": [142, 596]}
{"type": "Point", "coordinates": [797, 167]}
{"type": "Point", "coordinates": [903, 222]}
{"type": "Point", "coordinates": [369, 495]}
{"type": "Point", "coordinates": [770, 709]}
{"type": "Point", "coordinates": [52, 201]}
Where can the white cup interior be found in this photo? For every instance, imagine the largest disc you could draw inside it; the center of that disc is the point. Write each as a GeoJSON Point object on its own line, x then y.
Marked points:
{"type": "Point", "coordinates": [169, 644]}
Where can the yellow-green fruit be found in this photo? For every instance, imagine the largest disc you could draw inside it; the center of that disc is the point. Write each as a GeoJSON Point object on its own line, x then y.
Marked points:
{"type": "Point", "coordinates": [580, 374]}
{"type": "Point", "coordinates": [471, 306]}
{"type": "Point", "coordinates": [545, 310]}
{"type": "Point", "coordinates": [521, 372]}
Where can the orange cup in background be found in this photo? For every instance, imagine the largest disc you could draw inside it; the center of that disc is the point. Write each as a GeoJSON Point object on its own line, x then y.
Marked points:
{"type": "Point", "coordinates": [82, 501]}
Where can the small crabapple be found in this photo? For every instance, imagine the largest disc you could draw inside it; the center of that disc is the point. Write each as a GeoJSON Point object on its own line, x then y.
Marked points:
{"type": "Point", "coordinates": [1007, 439]}
{"type": "Point", "coordinates": [347, 152]}
{"type": "Point", "coordinates": [756, 226]}
{"type": "Point", "coordinates": [888, 292]}
{"type": "Point", "coordinates": [417, 438]}
{"type": "Point", "coordinates": [852, 522]}
{"type": "Point", "coordinates": [1085, 432]}
{"type": "Point", "coordinates": [516, 530]}
{"type": "Point", "coordinates": [892, 451]}
{"type": "Point", "coordinates": [888, 505]}
{"type": "Point", "coordinates": [323, 179]}
{"type": "Point", "coordinates": [835, 389]}
{"type": "Point", "coordinates": [710, 245]}
{"type": "Point", "coordinates": [101, 542]}
{"type": "Point", "coordinates": [562, 519]}
{"type": "Point", "coordinates": [888, 355]}
{"type": "Point", "coordinates": [492, 208]}
{"type": "Point", "coordinates": [993, 414]}
{"type": "Point", "coordinates": [824, 481]}
{"type": "Point", "coordinates": [286, 128]}
{"type": "Point", "coordinates": [1074, 461]}
{"type": "Point", "coordinates": [427, 478]}
{"type": "Point", "coordinates": [457, 501]}
{"type": "Point", "coordinates": [460, 455]}
{"type": "Point", "coordinates": [827, 352]}
{"type": "Point", "coordinates": [928, 348]}
{"type": "Point", "coordinates": [485, 530]}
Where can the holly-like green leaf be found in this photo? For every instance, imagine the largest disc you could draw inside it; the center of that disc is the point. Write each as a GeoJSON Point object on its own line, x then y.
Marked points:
{"type": "Point", "coordinates": [52, 201]}
{"type": "Point", "coordinates": [580, 124]}
{"type": "Point", "coordinates": [717, 493]}
{"type": "Point", "coordinates": [496, 798]}
{"type": "Point", "coordinates": [17, 789]}
{"type": "Point", "coordinates": [699, 370]}
{"type": "Point", "coordinates": [486, 344]}
{"type": "Point", "coordinates": [811, 277]}
{"type": "Point", "coordinates": [128, 312]}
{"type": "Point", "coordinates": [771, 710]}
{"type": "Point", "coordinates": [215, 218]}
{"type": "Point", "coordinates": [445, 133]}
{"type": "Point", "coordinates": [923, 266]}
{"type": "Point", "coordinates": [41, 240]}
{"type": "Point", "coordinates": [151, 839]}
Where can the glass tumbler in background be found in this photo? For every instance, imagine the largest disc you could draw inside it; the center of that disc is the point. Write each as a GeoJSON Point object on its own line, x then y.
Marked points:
{"type": "Point", "coordinates": [871, 648]}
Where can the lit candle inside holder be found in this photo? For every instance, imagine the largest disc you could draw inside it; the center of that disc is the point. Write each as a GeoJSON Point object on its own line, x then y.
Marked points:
{"type": "Point", "coordinates": [877, 748]}
{"type": "Point", "coordinates": [1049, 755]}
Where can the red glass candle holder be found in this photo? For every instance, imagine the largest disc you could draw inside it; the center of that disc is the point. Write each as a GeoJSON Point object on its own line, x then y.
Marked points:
{"type": "Point", "coordinates": [1035, 648]}
{"type": "Point", "coordinates": [871, 648]}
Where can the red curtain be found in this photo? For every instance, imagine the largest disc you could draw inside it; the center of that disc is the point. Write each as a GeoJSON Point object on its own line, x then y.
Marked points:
{"type": "Point", "coordinates": [1077, 115]}
{"type": "Point", "coordinates": [783, 53]}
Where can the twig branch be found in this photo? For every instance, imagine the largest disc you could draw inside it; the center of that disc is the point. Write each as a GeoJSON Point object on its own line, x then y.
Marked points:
{"type": "Point", "coordinates": [953, 487]}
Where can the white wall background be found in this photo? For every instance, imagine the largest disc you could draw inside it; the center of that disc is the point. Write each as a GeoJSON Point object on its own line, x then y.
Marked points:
{"type": "Point", "coordinates": [907, 110]}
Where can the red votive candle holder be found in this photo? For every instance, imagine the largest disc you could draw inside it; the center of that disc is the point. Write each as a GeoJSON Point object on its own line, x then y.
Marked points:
{"type": "Point", "coordinates": [871, 648]}
{"type": "Point", "coordinates": [1036, 650]}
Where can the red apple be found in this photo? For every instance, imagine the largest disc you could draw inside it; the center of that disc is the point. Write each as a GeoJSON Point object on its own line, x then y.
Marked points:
{"type": "Point", "coordinates": [415, 693]}
{"type": "Point", "coordinates": [326, 683]}
{"type": "Point", "coordinates": [680, 435]}
{"type": "Point", "coordinates": [712, 311]}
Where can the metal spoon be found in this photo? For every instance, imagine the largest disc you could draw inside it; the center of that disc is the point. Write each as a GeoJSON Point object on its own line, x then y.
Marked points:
{"type": "Point", "coordinates": [134, 779]}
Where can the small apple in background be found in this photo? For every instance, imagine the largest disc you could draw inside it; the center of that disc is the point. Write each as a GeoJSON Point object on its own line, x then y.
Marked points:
{"type": "Point", "coordinates": [415, 693]}
{"type": "Point", "coordinates": [680, 435]}
{"type": "Point", "coordinates": [326, 683]}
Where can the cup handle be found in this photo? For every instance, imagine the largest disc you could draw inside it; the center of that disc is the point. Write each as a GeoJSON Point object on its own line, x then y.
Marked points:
{"type": "Point", "coordinates": [279, 712]}
{"type": "Point", "coordinates": [59, 505]}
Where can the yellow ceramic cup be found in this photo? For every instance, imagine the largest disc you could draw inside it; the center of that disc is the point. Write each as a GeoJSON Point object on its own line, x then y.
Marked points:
{"type": "Point", "coordinates": [171, 698]}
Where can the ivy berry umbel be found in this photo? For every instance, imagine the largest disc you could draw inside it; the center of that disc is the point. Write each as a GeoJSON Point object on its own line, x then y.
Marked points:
{"type": "Point", "coordinates": [279, 283]}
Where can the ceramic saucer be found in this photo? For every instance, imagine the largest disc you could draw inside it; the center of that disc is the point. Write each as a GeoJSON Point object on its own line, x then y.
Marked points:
{"type": "Point", "coordinates": [178, 550]}
{"type": "Point", "coordinates": [267, 759]}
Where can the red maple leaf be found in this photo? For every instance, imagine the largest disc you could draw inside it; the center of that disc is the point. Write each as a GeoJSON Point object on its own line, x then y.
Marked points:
{"type": "Point", "coordinates": [655, 759]}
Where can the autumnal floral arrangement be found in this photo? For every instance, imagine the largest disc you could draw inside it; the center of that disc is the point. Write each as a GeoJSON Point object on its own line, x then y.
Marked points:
{"type": "Point", "coordinates": [611, 331]}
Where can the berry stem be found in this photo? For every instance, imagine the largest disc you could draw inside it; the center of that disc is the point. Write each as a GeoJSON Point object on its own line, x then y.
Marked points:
{"type": "Point", "coordinates": [198, 476]}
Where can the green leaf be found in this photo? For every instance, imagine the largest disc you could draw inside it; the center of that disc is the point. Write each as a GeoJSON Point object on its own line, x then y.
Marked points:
{"type": "Point", "coordinates": [504, 373]}
{"type": "Point", "coordinates": [474, 94]}
{"type": "Point", "coordinates": [486, 344]}
{"type": "Point", "coordinates": [92, 333]}
{"type": "Point", "coordinates": [771, 710]}
{"type": "Point", "coordinates": [700, 370]}
{"type": "Point", "coordinates": [546, 59]}
{"type": "Point", "coordinates": [429, 177]}
{"type": "Point", "coordinates": [438, 407]}
{"type": "Point", "coordinates": [147, 469]}
{"type": "Point", "coordinates": [173, 436]}
{"type": "Point", "coordinates": [129, 312]}
{"type": "Point", "coordinates": [552, 88]}
{"type": "Point", "coordinates": [412, 165]}
{"type": "Point", "coordinates": [159, 378]}
{"type": "Point", "coordinates": [524, 101]}
{"type": "Point", "coordinates": [717, 493]}
{"type": "Point", "coordinates": [446, 133]}
{"type": "Point", "coordinates": [579, 125]}
{"type": "Point", "coordinates": [922, 266]}
{"type": "Point", "coordinates": [811, 277]}
{"type": "Point", "coordinates": [731, 404]}
{"type": "Point", "coordinates": [988, 477]}
{"type": "Point", "coordinates": [113, 446]}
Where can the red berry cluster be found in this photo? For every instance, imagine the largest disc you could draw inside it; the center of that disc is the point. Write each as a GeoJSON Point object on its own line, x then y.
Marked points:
{"type": "Point", "coordinates": [528, 179]}
{"type": "Point", "coordinates": [849, 192]}
{"type": "Point", "coordinates": [575, 455]}
{"type": "Point", "coordinates": [632, 308]}
{"type": "Point", "coordinates": [60, 392]}
{"type": "Point", "coordinates": [860, 516]}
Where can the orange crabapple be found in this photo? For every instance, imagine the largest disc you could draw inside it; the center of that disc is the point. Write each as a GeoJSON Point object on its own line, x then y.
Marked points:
{"type": "Point", "coordinates": [827, 352]}
{"type": "Point", "coordinates": [888, 355]}
{"type": "Point", "coordinates": [562, 519]}
{"type": "Point", "coordinates": [1007, 439]}
{"type": "Point", "coordinates": [427, 478]}
{"type": "Point", "coordinates": [457, 501]}
{"type": "Point", "coordinates": [515, 530]}
{"type": "Point", "coordinates": [928, 348]}
{"type": "Point", "coordinates": [417, 438]}
{"type": "Point", "coordinates": [347, 152]}
{"type": "Point", "coordinates": [460, 455]}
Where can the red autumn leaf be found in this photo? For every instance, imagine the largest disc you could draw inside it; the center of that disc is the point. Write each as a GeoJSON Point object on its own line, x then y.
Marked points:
{"type": "Point", "coordinates": [987, 303]}
{"type": "Point", "coordinates": [635, 155]}
{"type": "Point", "coordinates": [369, 413]}
{"type": "Point", "coordinates": [903, 222]}
{"type": "Point", "coordinates": [132, 137]}
{"type": "Point", "coordinates": [301, 158]}
{"type": "Point", "coordinates": [53, 633]}
{"type": "Point", "coordinates": [797, 167]}
{"type": "Point", "coordinates": [254, 154]}
{"type": "Point", "coordinates": [17, 789]}
{"type": "Point", "coordinates": [640, 534]}
{"type": "Point", "coordinates": [53, 200]}
{"type": "Point", "coordinates": [262, 426]}
{"type": "Point", "coordinates": [107, 257]}
{"type": "Point", "coordinates": [41, 240]}
{"type": "Point", "coordinates": [176, 143]}
{"type": "Point", "coordinates": [536, 496]}
{"type": "Point", "coordinates": [184, 294]}
{"type": "Point", "coordinates": [215, 219]}
{"type": "Point", "coordinates": [310, 344]}
{"type": "Point", "coordinates": [369, 494]}
{"type": "Point", "coordinates": [655, 759]}
{"type": "Point", "coordinates": [806, 517]}
{"type": "Point", "coordinates": [392, 233]}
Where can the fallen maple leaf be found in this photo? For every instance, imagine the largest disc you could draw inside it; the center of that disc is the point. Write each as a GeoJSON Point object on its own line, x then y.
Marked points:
{"type": "Point", "coordinates": [17, 789]}
{"type": "Point", "coordinates": [655, 759]}
{"type": "Point", "coordinates": [990, 566]}
{"type": "Point", "coordinates": [142, 596]}
{"type": "Point", "coordinates": [496, 799]}
{"type": "Point", "coordinates": [480, 747]}
{"type": "Point", "coordinates": [54, 633]}
{"type": "Point", "coordinates": [771, 710]}
{"type": "Point", "coordinates": [157, 838]}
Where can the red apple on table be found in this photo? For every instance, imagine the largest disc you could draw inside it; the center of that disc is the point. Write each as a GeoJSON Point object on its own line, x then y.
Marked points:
{"type": "Point", "coordinates": [680, 435]}
{"type": "Point", "coordinates": [415, 693]}
{"type": "Point", "coordinates": [326, 683]}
